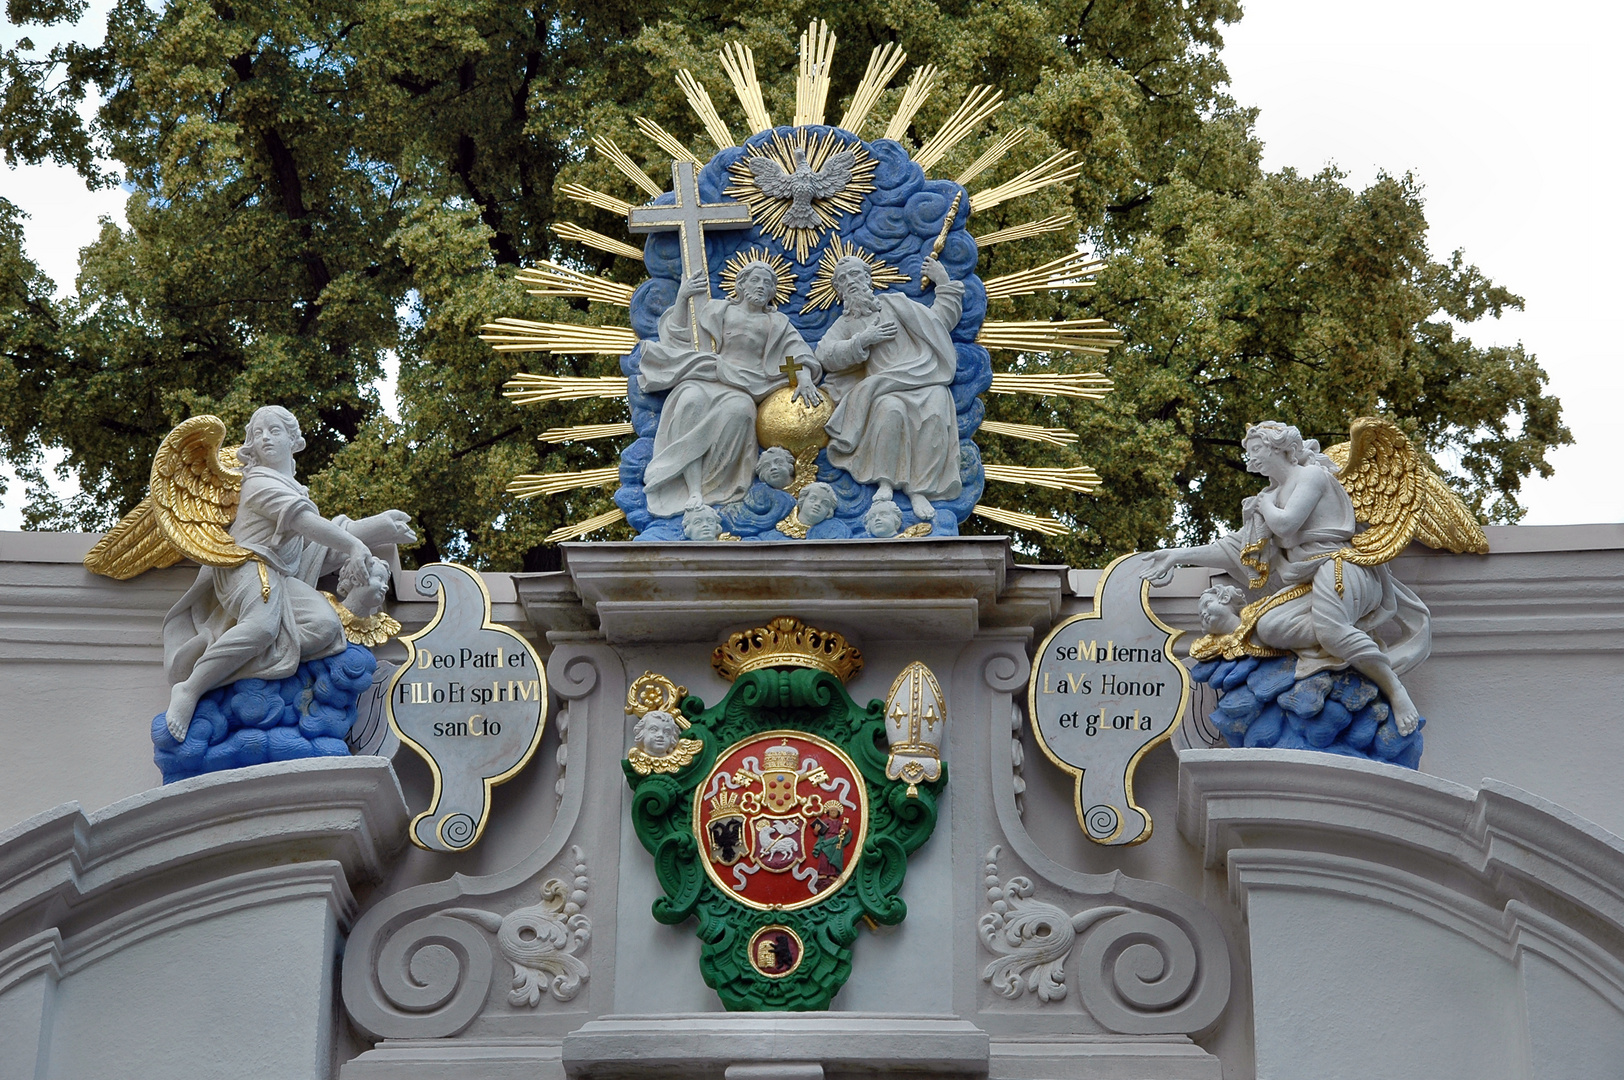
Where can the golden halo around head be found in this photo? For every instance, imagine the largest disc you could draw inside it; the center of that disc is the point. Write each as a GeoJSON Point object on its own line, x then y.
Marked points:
{"type": "Point", "coordinates": [780, 267]}
{"type": "Point", "coordinates": [822, 294]}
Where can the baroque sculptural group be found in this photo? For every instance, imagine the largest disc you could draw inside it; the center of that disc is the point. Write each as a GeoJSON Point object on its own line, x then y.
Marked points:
{"type": "Point", "coordinates": [889, 361]}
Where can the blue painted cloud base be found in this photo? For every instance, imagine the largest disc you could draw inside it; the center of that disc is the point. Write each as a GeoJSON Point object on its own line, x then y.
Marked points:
{"type": "Point", "coordinates": [1263, 703]}
{"type": "Point", "coordinates": [252, 721]}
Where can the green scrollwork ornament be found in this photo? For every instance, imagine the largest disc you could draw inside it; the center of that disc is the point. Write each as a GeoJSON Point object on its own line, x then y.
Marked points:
{"type": "Point", "coordinates": [781, 834]}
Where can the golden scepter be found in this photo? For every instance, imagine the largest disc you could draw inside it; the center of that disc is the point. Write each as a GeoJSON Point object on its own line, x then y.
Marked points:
{"type": "Point", "coordinates": [941, 237]}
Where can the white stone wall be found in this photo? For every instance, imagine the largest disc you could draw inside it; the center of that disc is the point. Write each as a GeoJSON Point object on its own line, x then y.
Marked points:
{"type": "Point", "coordinates": [1343, 919]}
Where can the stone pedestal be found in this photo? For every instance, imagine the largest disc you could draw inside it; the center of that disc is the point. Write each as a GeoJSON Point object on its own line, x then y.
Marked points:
{"type": "Point", "coordinates": [774, 1046]}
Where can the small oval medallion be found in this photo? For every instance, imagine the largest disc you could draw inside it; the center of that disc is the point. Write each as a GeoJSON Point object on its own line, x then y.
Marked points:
{"type": "Point", "coordinates": [775, 951]}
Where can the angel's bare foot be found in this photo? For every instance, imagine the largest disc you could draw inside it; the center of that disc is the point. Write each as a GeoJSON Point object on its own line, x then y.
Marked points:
{"type": "Point", "coordinates": [182, 703]}
{"type": "Point", "coordinates": [922, 508]}
{"type": "Point", "coordinates": [1405, 714]}
{"type": "Point", "coordinates": [884, 492]}
{"type": "Point", "coordinates": [694, 502]}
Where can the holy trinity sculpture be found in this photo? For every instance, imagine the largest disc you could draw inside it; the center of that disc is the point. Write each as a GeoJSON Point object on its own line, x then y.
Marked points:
{"type": "Point", "coordinates": [891, 360]}
{"type": "Point", "coordinates": [705, 447]}
{"type": "Point", "coordinates": [254, 611]}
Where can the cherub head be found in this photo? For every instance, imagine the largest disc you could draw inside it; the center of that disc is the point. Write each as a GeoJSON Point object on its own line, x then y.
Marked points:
{"type": "Point", "coordinates": [702, 523]}
{"type": "Point", "coordinates": [657, 733]}
{"type": "Point", "coordinates": [883, 519]}
{"type": "Point", "coordinates": [817, 503]}
{"type": "Point", "coordinates": [776, 467]}
{"type": "Point", "coordinates": [271, 438]}
{"type": "Point", "coordinates": [1220, 609]}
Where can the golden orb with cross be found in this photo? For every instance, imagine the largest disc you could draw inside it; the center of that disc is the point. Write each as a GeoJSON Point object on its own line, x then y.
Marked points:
{"type": "Point", "coordinates": [781, 420]}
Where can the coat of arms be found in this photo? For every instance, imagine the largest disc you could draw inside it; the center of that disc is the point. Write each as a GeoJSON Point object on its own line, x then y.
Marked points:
{"type": "Point", "coordinates": [786, 827]}
{"type": "Point", "coordinates": [781, 817]}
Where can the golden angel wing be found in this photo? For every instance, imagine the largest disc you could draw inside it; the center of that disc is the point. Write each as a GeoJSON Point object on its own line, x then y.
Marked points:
{"type": "Point", "coordinates": [195, 484]}
{"type": "Point", "coordinates": [1446, 523]}
{"type": "Point", "coordinates": [191, 499]}
{"type": "Point", "coordinates": [1398, 496]}
{"type": "Point", "coordinates": [133, 546]}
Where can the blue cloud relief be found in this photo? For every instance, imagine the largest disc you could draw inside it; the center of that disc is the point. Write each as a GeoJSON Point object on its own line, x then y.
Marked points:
{"type": "Point", "coordinates": [899, 222]}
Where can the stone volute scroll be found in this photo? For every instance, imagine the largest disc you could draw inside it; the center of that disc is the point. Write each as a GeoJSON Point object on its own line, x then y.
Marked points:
{"type": "Point", "coordinates": [1105, 691]}
{"type": "Point", "coordinates": [1307, 629]}
{"type": "Point", "coordinates": [786, 827]}
{"type": "Point", "coordinates": [471, 700]}
{"type": "Point", "coordinates": [263, 665]}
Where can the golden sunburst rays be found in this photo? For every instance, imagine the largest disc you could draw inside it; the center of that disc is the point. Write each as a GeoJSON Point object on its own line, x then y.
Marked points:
{"type": "Point", "coordinates": [593, 197]}
{"type": "Point", "coordinates": [740, 65]}
{"type": "Point", "coordinates": [552, 279]}
{"type": "Point", "coordinates": [768, 212]}
{"type": "Point", "coordinates": [822, 293]}
{"type": "Point", "coordinates": [527, 389]}
{"type": "Point", "coordinates": [628, 168]}
{"type": "Point", "coordinates": [992, 155]}
{"type": "Point", "coordinates": [976, 108]}
{"type": "Point", "coordinates": [529, 485]}
{"type": "Point", "coordinates": [1031, 432]}
{"type": "Point", "coordinates": [527, 335]}
{"type": "Point", "coordinates": [1046, 526]}
{"type": "Point", "coordinates": [783, 272]}
{"type": "Point", "coordinates": [920, 84]}
{"type": "Point", "coordinates": [568, 230]}
{"type": "Point", "coordinates": [1094, 336]}
{"type": "Point", "coordinates": [883, 64]}
{"type": "Point", "coordinates": [700, 102]}
{"type": "Point", "coordinates": [1078, 478]}
{"type": "Point", "coordinates": [588, 432]}
{"type": "Point", "coordinates": [580, 528]}
{"type": "Point", "coordinates": [1083, 384]}
{"type": "Point", "coordinates": [1026, 230]}
{"type": "Point", "coordinates": [667, 142]}
{"type": "Point", "coordinates": [814, 217]}
{"type": "Point", "coordinates": [812, 81]}
{"type": "Point", "coordinates": [1056, 169]}
{"type": "Point", "coordinates": [1074, 271]}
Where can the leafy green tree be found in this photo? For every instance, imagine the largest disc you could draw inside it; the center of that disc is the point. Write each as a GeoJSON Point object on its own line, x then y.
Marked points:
{"type": "Point", "coordinates": [319, 187]}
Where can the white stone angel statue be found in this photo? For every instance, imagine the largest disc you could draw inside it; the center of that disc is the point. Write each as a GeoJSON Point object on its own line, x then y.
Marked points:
{"type": "Point", "coordinates": [254, 611]}
{"type": "Point", "coordinates": [1318, 581]}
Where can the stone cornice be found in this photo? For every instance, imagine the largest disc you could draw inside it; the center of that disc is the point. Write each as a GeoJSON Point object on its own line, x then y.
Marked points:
{"type": "Point", "coordinates": [923, 589]}
{"type": "Point", "coordinates": [1495, 849]}
{"type": "Point", "coordinates": [70, 870]}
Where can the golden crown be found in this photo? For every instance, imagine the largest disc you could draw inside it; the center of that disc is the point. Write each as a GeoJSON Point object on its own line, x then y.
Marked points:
{"type": "Point", "coordinates": [782, 758]}
{"type": "Point", "coordinates": [787, 642]}
{"type": "Point", "coordinates": [726, 805]}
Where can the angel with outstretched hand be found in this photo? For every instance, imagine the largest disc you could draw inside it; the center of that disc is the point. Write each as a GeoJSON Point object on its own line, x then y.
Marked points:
{"type": "Point", "coordinates": [1330, 597]}
{"type": "Point", "coordinates": [254, 610]}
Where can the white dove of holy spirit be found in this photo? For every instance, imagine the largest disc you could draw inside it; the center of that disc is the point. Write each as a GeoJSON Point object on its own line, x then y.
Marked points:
{"type": "Point", "coordinates": [804, 184]}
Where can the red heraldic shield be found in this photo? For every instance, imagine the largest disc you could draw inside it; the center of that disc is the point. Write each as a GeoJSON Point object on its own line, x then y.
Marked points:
{"type": "Point", "coordinates": [781, 820]}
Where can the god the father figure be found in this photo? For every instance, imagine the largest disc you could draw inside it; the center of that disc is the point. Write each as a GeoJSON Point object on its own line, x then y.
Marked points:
{"type": "Point", "coordinates": [894, 425]}
{"type": "Point", "coordinates": [705, 447]}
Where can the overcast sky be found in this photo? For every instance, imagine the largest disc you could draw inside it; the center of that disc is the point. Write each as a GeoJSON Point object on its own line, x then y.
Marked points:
{"type": "Point", "coordinates": [1508, 114]}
